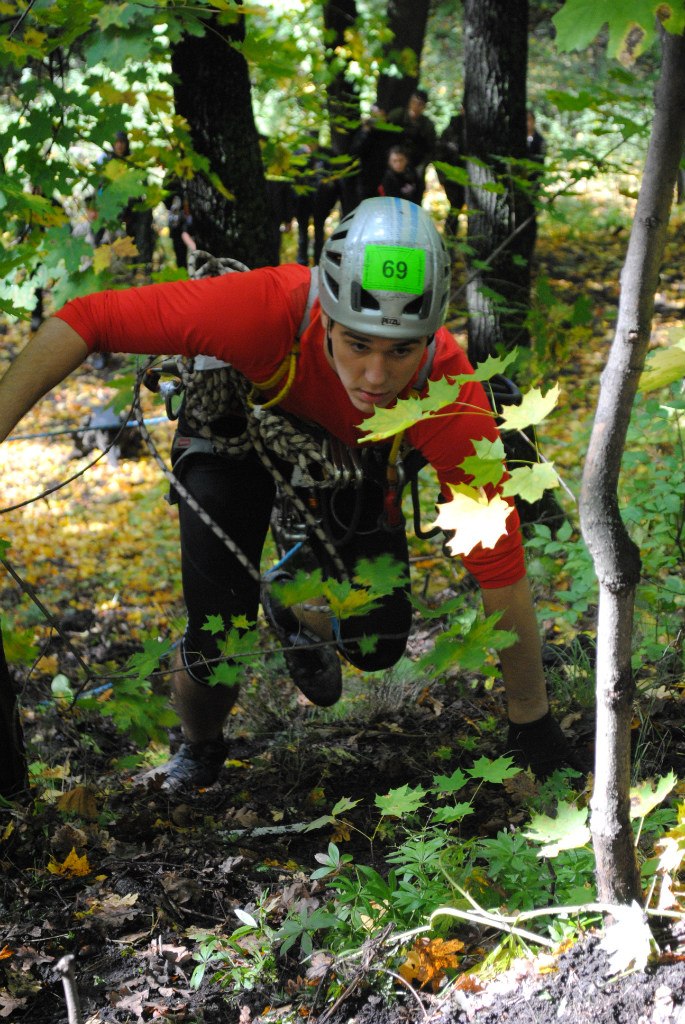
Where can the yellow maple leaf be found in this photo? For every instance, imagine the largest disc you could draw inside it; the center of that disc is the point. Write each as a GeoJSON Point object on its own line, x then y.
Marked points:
{"type": "Point", "coordinates": [72, 866]}
{"type": "Point", "coordinates": [6, 953]}
{"type": "Point", "coordinates": [473, 519]}
{"type": "Point", "coordinates": [429, 959]}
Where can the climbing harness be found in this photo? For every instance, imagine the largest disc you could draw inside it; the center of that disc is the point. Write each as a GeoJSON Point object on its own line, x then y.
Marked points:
{"type": "Point", "coordinates": [213, 390]}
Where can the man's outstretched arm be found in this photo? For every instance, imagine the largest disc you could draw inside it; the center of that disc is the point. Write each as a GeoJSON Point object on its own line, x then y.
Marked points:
{"type": "Point", "coordinates": [50, 356]}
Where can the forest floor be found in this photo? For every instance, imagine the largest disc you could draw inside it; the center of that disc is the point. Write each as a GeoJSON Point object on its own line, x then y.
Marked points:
{"type": "Point", "coordinates": [134, 884]}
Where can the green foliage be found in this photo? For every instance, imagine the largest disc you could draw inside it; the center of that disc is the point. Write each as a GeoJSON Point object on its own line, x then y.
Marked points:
{"type": "Point", "coordinates": [631, 24]}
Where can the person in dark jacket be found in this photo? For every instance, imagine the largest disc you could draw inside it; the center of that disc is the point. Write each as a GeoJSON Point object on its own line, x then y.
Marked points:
{"type": "Point", "coordinates": [400, 179]}
{"type": "Point", "coordinates": [418, 134]}
{"type": "Point", "coordinates": [370, 144]}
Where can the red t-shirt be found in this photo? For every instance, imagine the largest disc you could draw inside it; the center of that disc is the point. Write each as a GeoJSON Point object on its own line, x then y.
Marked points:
{"type": "Point", "coordinates": [251, 320]}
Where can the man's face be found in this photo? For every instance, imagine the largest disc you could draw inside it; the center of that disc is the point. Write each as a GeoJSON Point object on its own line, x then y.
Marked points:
{"type": "Point", "coordinates": [416, 106]}
{"type": "Point", "coordinates": [372, 370]}
{"type": "Point", "coordinates": [119, 147]}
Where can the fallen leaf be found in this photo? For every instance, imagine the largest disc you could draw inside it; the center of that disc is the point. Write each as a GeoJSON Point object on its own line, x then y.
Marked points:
{"type": "Point", "coordinates": [429, 959]}
{"type": "Point", "coordinates": [72, 866]}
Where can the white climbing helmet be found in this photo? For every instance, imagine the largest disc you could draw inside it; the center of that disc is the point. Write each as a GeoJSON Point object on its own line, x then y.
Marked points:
{"type": "Point", "coordinates": [385, 271]}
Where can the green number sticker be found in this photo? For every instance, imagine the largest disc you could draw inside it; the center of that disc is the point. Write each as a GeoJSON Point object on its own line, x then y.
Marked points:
{"type": "Point", "coordinates": [394, 268]}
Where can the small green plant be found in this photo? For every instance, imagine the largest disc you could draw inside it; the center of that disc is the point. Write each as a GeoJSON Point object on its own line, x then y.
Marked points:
{"type": "Point", "coordinates": [242, 959]}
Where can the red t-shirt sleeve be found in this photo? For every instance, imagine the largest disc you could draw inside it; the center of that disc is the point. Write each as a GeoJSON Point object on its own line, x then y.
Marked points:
{"type": "Point", "coordinates": [247, 319]}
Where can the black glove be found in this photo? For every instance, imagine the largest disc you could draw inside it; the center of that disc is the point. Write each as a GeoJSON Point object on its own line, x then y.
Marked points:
{"type": "Point", "coordinates": [542, 747]}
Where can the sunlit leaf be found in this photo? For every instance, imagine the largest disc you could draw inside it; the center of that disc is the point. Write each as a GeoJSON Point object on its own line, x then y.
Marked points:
{"type": "Point", "coordinates": [628, 941]}
{"type": "Point", "coordinates": [644, 799]}
{"type": "Point", "coordinates": [473, 518]}
{"type": "Point", "coordinates": [567, 831]}
{"type": "Point", "coordinates": [533, 409]}
{"type": "Point", "coordinates": [531, 482]}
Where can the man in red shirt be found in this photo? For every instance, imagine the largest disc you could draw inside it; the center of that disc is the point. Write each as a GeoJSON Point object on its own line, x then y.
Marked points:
{"type": "Point", "coordinates": [328, 347]}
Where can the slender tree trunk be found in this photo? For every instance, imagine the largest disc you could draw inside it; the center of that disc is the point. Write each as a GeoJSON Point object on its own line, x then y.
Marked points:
{"type": "Point", "coordinates": [212, 92]}
{"type": "Point", "coordinates": [407, 21]}
{"type": "Point", "coordinates": [616, 558]}
{"type": "Point", "coordinates": [495, 65]}
{"type": "Point", "coordinates": [13, 775]}
{"type": "Point", "coordinates": [343, 97]}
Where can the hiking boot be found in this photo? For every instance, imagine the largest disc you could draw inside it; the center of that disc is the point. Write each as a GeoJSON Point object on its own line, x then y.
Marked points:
{"type": "Point", "coordinates": [314, 667]}
{"type": "Point", "coordinates": [193, 766]}
{"type": "Point", "coordinates": [542, 747]}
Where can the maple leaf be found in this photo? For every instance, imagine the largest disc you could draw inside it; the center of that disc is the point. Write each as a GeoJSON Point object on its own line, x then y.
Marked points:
{"type": "Point", "coordinates": [72, 866]}
{"type": "Point", "coordinates": [628, 941]}
{"type": "Point", "coordinates": [533, 409]}
{"type": "Point", "coordinates": [79, 801]}
{"type": "Point", "coordinates": [401, 801]}
{"type": "Point", "coordinates": [493, 771]}
{"type": "Point", "coordinates": [386, 423]}
{"type": "Point", "coordinates": [487, 465]}
{"type": "Point", "coordinates": [567, 831]}
{"type": "Point", "coordinates": [214, 624]}
{"type": "Point", "coordinates": [531, 482]}
{"type": "Point", "coordinates": [664, 366]}
{"type": "Point", "coordinates": [473, 518]}
{"type": "Point", "coordinates": [6, 953]}
{"type": "Point", "coordinates": [644, 799]}
{"type": "Point", "coordinates": [448, 815]}
{"type": "Point", "coordinates": [450, 783]}
{"type": "Point", "coordinates": [429, 959]}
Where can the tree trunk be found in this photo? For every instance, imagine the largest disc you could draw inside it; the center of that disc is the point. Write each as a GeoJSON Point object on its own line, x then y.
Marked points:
{"type": "Point", "coordinates": [407, 21]}
{"type": "Point", "coordinates": [615, 556]}
{"type": "Point", "coordinates": [212, 92]}
{"type": "Point", "coordinates": [495, 64]}
{"type": "Point", "coordinates": [13, 774]}
{"type": "Point", "coordinates": [343, 97]}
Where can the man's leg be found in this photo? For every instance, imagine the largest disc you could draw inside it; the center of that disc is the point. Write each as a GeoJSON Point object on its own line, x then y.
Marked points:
{"type": "Point", "coordinates": [238, 496]}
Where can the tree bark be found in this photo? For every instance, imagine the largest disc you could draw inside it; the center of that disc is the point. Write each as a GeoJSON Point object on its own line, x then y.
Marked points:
{"type": "Point", "coordinates": [498, 268]}
{"type": "Point", "coordinates": [615, 556]}
{"type": "Point", "coordinates": [13, 773]}
{"type": "Point", "coordinates": [212, 92]}
{"type": "Point", "coordinates": [343, 97]}
{"type": "Point", "coordinates": [407, 21]}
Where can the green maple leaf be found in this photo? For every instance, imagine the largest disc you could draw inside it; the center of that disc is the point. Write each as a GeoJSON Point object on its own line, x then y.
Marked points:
{"type": "Point", "coordinates": [386, 423]}
{"type": "Point", "coordinates": [665, 365]}
{"type": "Point", "coordinates": [533, 409]}
{"type": "Point", "coordinates": [493, 771]}
{"type": "Point", "coordinates": [644, 799]}
{"type": "Point", "coordinates": [214, 624]}
{"type": "Point", "coordinates": [631, 24]}
{"type": "Point", "coordinates": [225, 674]}
{"type": "Point", "coordinates": [567, 831]}
{"type": "Point", "coordinates": [472, 519]}
{"type": "Point", "coordinates": [487, 465]}
{"type": "Point", "coordinates": [449, 783]}
{"type": "Point", "coordinates": [531, 482]}
{"type": "Point", "coordinates": [303, 587]}
{"type": "Point", "coordinates": [381, 575]}
{"type": "Point", "coordinates": [343, 805]}
{"type": "Point", "coordinates": [400, 802]}
{"type": "Point", "coordinates": [448, 815]}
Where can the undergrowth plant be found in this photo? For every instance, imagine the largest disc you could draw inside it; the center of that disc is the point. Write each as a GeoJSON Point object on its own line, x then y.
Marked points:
{"type": "Point", "coordinates": [438, 881]}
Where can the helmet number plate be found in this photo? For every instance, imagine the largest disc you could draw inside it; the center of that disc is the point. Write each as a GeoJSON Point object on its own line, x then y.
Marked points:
{"type": "Point", "coordinates": [394, 268]}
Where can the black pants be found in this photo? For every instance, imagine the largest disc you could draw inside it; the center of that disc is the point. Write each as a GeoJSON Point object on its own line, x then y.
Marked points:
{"type": "Point", "coordinates": [239, 495]}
